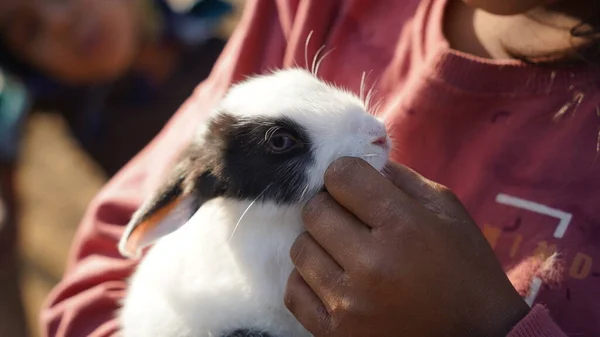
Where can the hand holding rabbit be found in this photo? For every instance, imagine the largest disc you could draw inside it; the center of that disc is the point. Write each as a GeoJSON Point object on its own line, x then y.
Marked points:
{"type": "Point", "coordinates": [397, 257]}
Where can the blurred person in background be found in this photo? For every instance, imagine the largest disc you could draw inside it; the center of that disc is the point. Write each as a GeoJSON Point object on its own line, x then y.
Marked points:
{"type": "Point", "coordinates": [96, 61]}
{"type": "Point", "coordinates": [115, 69]}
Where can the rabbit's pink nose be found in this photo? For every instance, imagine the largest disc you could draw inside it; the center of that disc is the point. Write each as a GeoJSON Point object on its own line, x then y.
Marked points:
{"type": "Point", "coordinates": [381, 141]}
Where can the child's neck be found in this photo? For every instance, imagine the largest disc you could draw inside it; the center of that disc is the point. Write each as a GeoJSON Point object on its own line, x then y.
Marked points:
{"type": "Point", "coordinates": [539, 32]}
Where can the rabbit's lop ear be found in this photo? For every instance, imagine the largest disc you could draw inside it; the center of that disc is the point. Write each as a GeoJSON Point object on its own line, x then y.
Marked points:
{"type": "Point", "coordinates": [176, 201]}
{"type": "Point", "coordinates": [170, 208]}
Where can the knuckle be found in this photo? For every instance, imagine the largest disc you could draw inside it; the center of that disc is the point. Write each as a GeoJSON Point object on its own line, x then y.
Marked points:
{"type": "Point", "coordinates": [331, 278]}
{"type": "Point", "coordinates": [322, 316]}
{"type": "Point", "coordinates": [386, 271]}
{"type": "Point", "coordinates": [339, 170]}
{"type": "Point", "coordinates": [343, 281]}
{"type": "Point", "coordinates": [289, 300]}
{"type": "Point", "coordinates": [298, 251]}
{"type": "Point", "coordinates": [326, 323]}
{"type": "Point", "coordinates": [314, 208]}
{"type": "Point", "coordinates": [291, 287]}
{"type": "Point", "coordinates": [388, 212]}
{"type": "Point", "coordinates": [384, 206]}
{"type": "Point", "coordinates": [407, 233]}
{"type": "Point", "coordinates": [425, 184]}
{"type": "Point", "coordinates": [379, 270]}
{"type": "Point", "coordinates": [342, 311]}
{"type": "Point", "coordinates": [367, 262]}
{"type": "Point", "coordinates": [446, 193]}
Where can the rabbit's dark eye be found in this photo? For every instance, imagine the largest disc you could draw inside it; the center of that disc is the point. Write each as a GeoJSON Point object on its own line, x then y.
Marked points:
{"type": "Point", "coordinates": [281, 142]}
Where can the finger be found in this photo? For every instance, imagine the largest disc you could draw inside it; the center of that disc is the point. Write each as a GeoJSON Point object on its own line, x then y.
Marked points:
{"type": "Point", "coordinates": [335, 229]}
{"type": "Point", "coordinates": [305, 305]}
{"type": "Point", "coordinates": [363, 191]}
{"type": "Point", "coordinates": [433, 196]}
{"type": "Point", "coordinates": [320, 271]}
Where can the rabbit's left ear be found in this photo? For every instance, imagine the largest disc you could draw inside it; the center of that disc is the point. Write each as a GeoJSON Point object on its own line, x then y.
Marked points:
{"type": "Point", "coordinates": [163, 214]}
{"type": "Point", "coordinates": [176, 201]}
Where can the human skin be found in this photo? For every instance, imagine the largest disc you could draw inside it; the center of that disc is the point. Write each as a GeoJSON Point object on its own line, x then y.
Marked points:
{"type": "Point", "coordinates": [538, 30]}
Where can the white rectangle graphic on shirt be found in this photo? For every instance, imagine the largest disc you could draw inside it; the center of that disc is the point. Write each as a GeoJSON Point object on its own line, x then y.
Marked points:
{"type": "Point", "coordinates": [563, 217]}
{"type": "Point", "coordinates": [534, 289]}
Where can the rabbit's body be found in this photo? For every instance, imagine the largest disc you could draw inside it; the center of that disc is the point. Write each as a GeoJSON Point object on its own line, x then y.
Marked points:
{"type": "Point", "coordinates": [241, 280]}
{"type": "Point", "coordinates": [233, 206]}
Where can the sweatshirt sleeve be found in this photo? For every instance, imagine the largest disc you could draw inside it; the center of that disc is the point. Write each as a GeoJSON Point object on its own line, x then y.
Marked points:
{"type": "Point", "coordinates": [537, 323]}
{"type": "Point", "coordinates": [86, 301]}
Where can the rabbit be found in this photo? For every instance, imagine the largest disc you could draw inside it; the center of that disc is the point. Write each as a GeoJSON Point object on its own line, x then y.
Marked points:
{"type": "Point", "coordinates": [222, 224]}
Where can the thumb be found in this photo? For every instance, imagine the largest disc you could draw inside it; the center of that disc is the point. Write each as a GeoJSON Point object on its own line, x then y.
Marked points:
{"type": "Point", "coordinates": [433, 196]}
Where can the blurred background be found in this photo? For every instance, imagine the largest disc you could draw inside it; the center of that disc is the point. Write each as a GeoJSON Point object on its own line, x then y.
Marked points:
{"type": "Point", "coordinates": [84, 85]}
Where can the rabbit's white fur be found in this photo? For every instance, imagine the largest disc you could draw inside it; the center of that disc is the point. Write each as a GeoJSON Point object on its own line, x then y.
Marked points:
{"type": "Point", "coordinates": [202, 281]}
{"type": "Point", "coordinates": [195, 282]}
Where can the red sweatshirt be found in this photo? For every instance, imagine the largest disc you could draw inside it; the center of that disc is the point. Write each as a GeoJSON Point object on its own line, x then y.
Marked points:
{"type": "Point", "coordinates": [517, 144]}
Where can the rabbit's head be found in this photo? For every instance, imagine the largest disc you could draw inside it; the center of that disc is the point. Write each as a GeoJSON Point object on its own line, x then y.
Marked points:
{"type": "Point", "coordinates": [271, 139]}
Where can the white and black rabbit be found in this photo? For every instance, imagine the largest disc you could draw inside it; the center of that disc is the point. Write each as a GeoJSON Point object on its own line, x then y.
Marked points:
{"type": "Point", "coordinates": [224, 221]}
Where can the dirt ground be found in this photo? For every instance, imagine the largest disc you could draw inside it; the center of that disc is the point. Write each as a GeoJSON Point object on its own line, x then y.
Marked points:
{"type": "Point", "coordinates": [56, 180]}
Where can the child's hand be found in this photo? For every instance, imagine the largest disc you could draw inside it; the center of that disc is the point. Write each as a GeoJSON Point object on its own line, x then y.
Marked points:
{"type": "Point", "coordinates": [396, 257]}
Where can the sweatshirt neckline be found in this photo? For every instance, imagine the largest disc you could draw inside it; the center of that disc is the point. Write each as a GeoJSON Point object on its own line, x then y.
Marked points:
{"type": "Point", "coordinates": [493, 77]}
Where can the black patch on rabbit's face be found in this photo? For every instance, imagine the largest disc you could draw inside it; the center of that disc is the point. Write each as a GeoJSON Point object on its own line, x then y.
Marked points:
{"type": "Point", "coordinates": [237, 156]}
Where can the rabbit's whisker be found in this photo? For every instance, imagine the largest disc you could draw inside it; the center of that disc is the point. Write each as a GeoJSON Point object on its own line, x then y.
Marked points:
{"type": "Point", "coordinates": [246, 211]}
